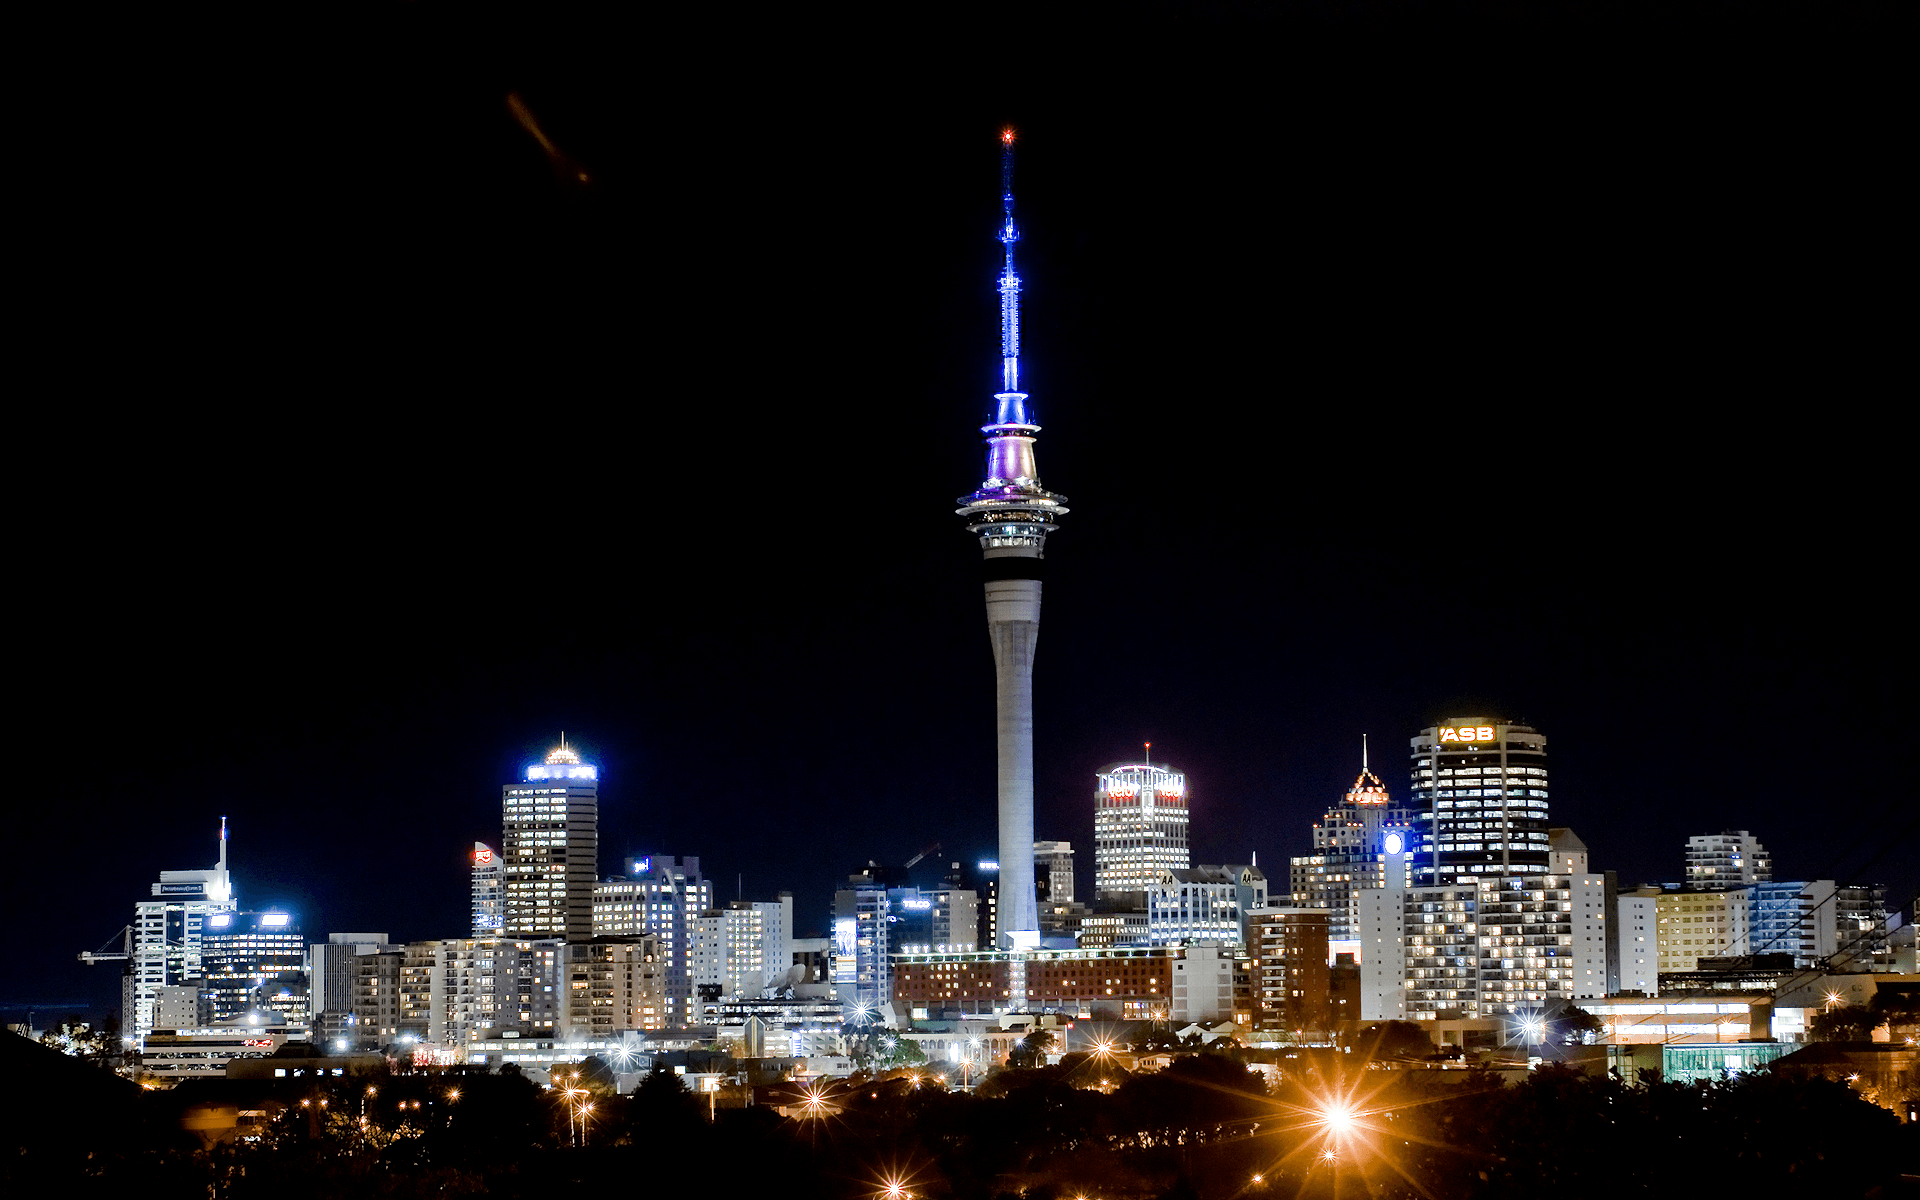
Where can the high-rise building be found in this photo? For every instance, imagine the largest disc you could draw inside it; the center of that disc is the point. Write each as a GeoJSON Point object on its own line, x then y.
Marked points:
{"type": "Point", "coordinates": [1139, 827]}
{"type": "Point", "coordinates": [1734, 858]}
{"type": "Point", "coordinates": [663, 896]}
{"type": "Point", "coordinates": [1693, 925]}
{"type": "Point", "coordinates": [489, 891]}
{"type": "Point", "coordinates": [498, 987]}
{"type": "Point", "coordinates": [333, 967]}
{"type": "Point", "coordinates": [168, 933]}
{"type": "Point", "coordinates": [254, 961]}
{"type": "Point", "coordinates": [1480, 796]}
{"type": "Point", "coordinates": [1054, 860]}
{"type": "Point", "coordinates": [742, 949]}
{"type": "Point", "coordinates": [1012, 514]}
{"type": "Point", "coordinates": [1789, 917]}
{"type": "Point", "coordinates": [550, 839]}
{"type": "Point", "coordinates": [1484, 945]}
{"type": "Point", "coordinates": [1346, 854]}
{"type": "Point", "coordinates": [1287, 958]}
{"type": "Point", "coordinates": [1861, 940]}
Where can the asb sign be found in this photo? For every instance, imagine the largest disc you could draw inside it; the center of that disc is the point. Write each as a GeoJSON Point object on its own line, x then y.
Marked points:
{"type": "Point", "coordinates": [1468, 733]}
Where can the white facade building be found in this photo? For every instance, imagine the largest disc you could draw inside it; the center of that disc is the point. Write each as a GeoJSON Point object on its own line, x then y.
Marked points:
{"type": "Point", "coordinates": [168, 934]}
{"type": "Point", "coordinates": [1733, 858]}
{"type": "Point", "coordinates": [1139, 827]}
{"type": "Point", "coordinates": [1204, 904]}
{"type": "Point", "coordinates": [1484, 947]}
{"type": "Point", "coordinates": [1639, 925]}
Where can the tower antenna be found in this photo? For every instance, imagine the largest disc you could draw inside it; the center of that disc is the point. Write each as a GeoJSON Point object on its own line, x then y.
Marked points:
{"type": "Point", "coordinates": [1009, 278]}
{"type": "Point", "coordinates": [1363, 752]}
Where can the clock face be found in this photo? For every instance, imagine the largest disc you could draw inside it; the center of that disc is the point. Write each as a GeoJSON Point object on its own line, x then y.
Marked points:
{"type": "Point", "coordinates": [1395, 843]}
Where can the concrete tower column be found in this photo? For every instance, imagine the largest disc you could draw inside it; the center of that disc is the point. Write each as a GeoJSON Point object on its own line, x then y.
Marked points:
{"type": "Point", "coordinates": [1013, 621]}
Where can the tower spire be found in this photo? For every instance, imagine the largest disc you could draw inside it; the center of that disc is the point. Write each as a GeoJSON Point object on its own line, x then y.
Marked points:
{"type": "Point", "coordinates": [1009, 286]}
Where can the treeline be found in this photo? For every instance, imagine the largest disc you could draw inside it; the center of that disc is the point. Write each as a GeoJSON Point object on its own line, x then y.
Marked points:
{"type": "Point", "coordinates": [1205, 1128]}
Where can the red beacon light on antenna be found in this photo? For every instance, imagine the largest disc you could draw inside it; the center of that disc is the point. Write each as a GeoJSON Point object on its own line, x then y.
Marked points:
{"type": "Point", "coordinates": [1006, 137]}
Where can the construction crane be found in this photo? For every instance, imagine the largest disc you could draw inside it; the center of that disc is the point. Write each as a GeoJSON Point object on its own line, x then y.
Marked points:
{"type": "Point", "coordinates": [123, 954]}
{"type": "Point", "coordinates": [933, 849]}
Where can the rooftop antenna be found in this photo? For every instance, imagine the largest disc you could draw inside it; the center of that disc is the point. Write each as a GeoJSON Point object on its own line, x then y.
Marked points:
{"type": "Point", "coordinates": [1363, 752]}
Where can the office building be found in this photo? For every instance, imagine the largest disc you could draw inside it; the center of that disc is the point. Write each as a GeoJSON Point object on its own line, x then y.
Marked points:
{"type": "Point", "coordinates": [1139, 827]}
{"type": "Point", "coordinates": [1479, 793]}
{"type": "Point", "coordinates": [1053, 861]}
{"type": "Point", "coordinates": [1718, 862]}
{"type": "Point", "coordinates": [550, 841]}
{"type": "Point", "coordinates": [1012, 514]}
{"type": "Point", "coordinates": [1204, 904]}
{"type": "Point", "coordinates": [333, 970]}
{"type": "Point", "coordinates": [1287, 962]}
{"type": "Point", "coordinates": [168, 936]}
{"type": "Point", "coordinates": [255, 961]}
{"type": "Point", "coordinates": [489, 892]}
{"type": "Point", "coordinates": [1346, 854]}
{"type": "Point", "coordinates": [662, 896]}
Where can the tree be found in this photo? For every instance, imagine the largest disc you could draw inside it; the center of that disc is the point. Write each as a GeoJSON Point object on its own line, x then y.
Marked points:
{"type": "Point", "coordinates": [1569, 1024]}
{"type": "Point", "coordinates": [1031, 1050]}
{"type": "Point", "coordinates": [1392, 1039]}
{"type": "Point", "coordinates": [1847, 1023]}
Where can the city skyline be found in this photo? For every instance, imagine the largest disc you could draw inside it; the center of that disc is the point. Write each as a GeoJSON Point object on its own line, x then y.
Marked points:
{"type": "Point", "coordinates": [1335, 474]}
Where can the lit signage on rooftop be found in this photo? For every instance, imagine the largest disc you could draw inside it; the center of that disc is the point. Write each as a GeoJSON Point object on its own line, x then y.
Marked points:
{"type": "Point", "coordinates": [274, 920]}
{"type": "Point", "coordinates": [483, 856]}
{"type": "Point", "coordinates": [220, 920]}
{"type": "Point", "coordinates": [1468, 733]}
{"type": "Point", "coordinates": [563, 771]}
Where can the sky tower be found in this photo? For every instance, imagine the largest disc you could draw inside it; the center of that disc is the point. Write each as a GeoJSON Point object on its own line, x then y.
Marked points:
{"type": "Point", "coordinates": [1013, 514]}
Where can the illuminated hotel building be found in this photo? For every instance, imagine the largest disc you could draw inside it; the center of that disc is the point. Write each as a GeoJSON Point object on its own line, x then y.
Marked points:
{"type": "Point", "coordinates": [550, 840]}
{"type": "Point", "coordinates": [1479, 797]}
{"type": "Point", "coordinates": [489, 891]}
{"type": "Point", "coordinates": [1012, 515]}
{"type": "Point", "coordinates": [1139, 827]}
{"type": "Point", "coordinates": [1346, 854]}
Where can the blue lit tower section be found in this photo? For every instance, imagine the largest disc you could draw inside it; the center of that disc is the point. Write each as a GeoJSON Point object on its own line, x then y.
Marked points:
{"type": "Point", "coordinates": [550, 840]}
{"type": "Point", "coordinates": [1012, 515]}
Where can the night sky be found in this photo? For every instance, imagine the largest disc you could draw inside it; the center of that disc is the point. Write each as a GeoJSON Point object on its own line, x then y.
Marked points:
{"type": "Point", "coordinates": [1397, 363]}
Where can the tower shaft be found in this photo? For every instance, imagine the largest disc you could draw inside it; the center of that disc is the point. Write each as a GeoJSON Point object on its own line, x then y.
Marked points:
{"type": "Point", "coordinates": [1013, 622]}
